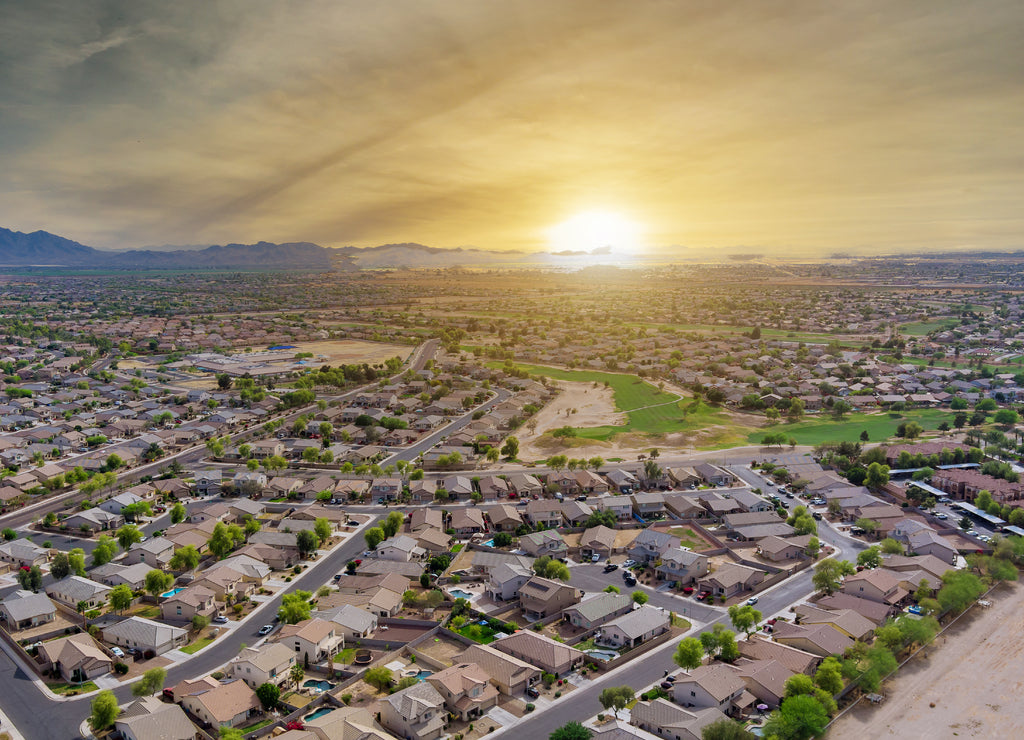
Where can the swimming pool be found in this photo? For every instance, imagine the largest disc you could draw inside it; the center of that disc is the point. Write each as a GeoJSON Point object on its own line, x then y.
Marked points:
{"type": "Point", "coordinates": [603, 654]}
{"type": "Point", "coordinates": [172, 592]}
{"type": "Point", "coordinates": [422, 675]}
{"type": "Point", "coordinates": [489, 543]}
{"type": "Point", "coordinates": [322, 685]}
{"type": "Point", "coordinates": [458, 593]}
{"type": "Point", "coordinates": [318, 713]}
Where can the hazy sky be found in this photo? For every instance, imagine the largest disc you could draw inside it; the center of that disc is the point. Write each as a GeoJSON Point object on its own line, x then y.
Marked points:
{"type": "Point", "coordinates": [785, 127]}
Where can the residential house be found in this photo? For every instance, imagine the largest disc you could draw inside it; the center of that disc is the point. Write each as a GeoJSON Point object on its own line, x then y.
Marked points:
{"type": "Point", "coordinates": [576, 513]}
{"type": "Point", "coordinates": [72, 590]}
{"type": "Point", "coordinates": [23, 553]}
{"type": "Point", "coordinates": [387, 489]}
{"type": "Point", "coordinates": [354, 623]}
{"type": "Point", "coordinates": [149, 718]}
{"type": "Point", "coordinates": [648, 505]}
{"type": "Point", "coordinates": [114, 574]}
{"type": "Point", "coordinates": [651, 544]}
{"type": "Point", "coordinates": [155, 552]}
{"type": "Point", "coordinates": [459, 487]}
{"type": "Point", "coordinates": [779, 550]}
{"type": "Point", "coordinates": [846, 621]}
{"type": "Point", "coordinates": [731, 579]}
{"type": "Point", "coordinates": [342, 723]}
{"type": "Point", "coordinates": [598, 609]}
{"type": "Point", "coordinates": [929, 542]}
{"type": "Point", "coordinates": [818, 639]}
{"type": "Point", "coordinates": [434, 541]}
{"type": "Point", "coordinates": [313, 639]}
{"type": "Point", "coordinates": [76, 658]}
{"type": "Point", "coordinates": [621, 506]}
{"type": "Point", "coordinates": [712, 475]}
{"type": "Point", "coordinates": [682, 566]}
{"type": "Point", "coordinates": [269, 663]}
{"type": "Point", "coordinates": [228, 704]}
{"type": "Point", "coordinates": [116, 504]}
{"type": "Point", "coordinates": [196, 600]}
{"type": "Point", "coordinates": [635, 627]}
{"type": "Point", "coordinates": [546, 542]}
{"type": "Point", "coordinates": [764, 679]}
{"type": "Point", "coordinates": [400, 548]}
{"type": "Point", "coordinates": [504, 518]}
{"type": "Point", "coordinates": [425, 518]}
{"type": "Point", "coordinates": [95, 520]}
{"type": "Point", "coordinates": [415, 713]}
{"type": "Point", "coordinates": [622, 480]}
{"type": "Point", "coordinates": [467, 522]}
{"type": "Point", "coordinates": [145, 635]}
{"type": "Point", "coordinates": [509, 674]}
{"type": "Point", "coordinates": [714, 686]}
{"type": "Point", "coordinates": [208, 482]}
{"type": "Point", "coordinates": [25, 609]}
{"type": "Point", "coordinates": [669, 721]}
{"type": "Point", "coordinates": [467, 690]}
{"type": "Point", "coordinates": [505, 580]}
{"type": "Point", "coordinates": [590, 483]}
{"type": "Point", "coordinates": [543, 652]}
{"type": "Point", "coordinates": [796, 660]}
{"type": "Point", "coordinates": [544, 513]}
{"type": "Point", "coordinates": [543, 597]}
{"type": "Point", "coordinates": [877, 584]}
{"type": "Point", "coordinates": [599, 540]}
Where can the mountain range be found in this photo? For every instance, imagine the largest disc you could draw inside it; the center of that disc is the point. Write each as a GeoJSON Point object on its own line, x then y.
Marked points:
{"type": "Point", "coordinates": [43, 249]}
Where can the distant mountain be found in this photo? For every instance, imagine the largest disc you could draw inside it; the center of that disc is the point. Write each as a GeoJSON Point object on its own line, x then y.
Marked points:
{"type": "Point", "coordinates": [42, 249]}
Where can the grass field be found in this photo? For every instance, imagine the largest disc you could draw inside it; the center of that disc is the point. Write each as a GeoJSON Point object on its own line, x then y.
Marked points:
{"type": "Point", "coordinates": [649, 410]}
{"type": "Point", "coordinates": [197, 645]}
{"type": "Point", "coordinates": [922, 328]}
{"type": "Point", "coordinates": [879, 426]}
{"type": "Point", "coordinates": [688, 538]}
{"type": "Point", "coordinates": [61, 688]}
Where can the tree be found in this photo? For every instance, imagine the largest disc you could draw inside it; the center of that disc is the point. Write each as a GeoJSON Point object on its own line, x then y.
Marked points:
{"type": "Point", "coordinates": [31, 579]}
{"type": "Point", "coordinates": [104, 711]}
{"type": "Point", "coordinates": [157, 582]}
{"type": "Point", "coordinates": [841, 409]}
{"type": "Point", "coordinates": [105, 550]}
{"type": "Point", "coordinates": [121, 597]}
{"type": "Point", "coordinates": [889, 546]}
{"type": "Point", "coordinates": [224, 539]}
{"type": "Point", "coordinates": [76, 561]}
{"type": "Point", "coordinates": [379, 677]}
{"type": "Point", "coordinates": [799, 718]}
{"type": "Point", "coordinates": [392, 524]}
{"type": "Point", "coordinates": [59, 567]}
{"type": "Point", "coordinates": [870, 558]}
{"type": "Point", "coordinates": [1006, 417]}
{"type": "Point", "coordinates": [709, 642]}
{"type": "Point", "coordinates": [374, 536]}
{"type": "Point", "coordinates": [571, 731]}
{"type": "Point", "coordinates": [639, 597]}
{"type": "Point", "coordinates": [306, 541]}
{"type": "Point", "coordinates": [813, 548]}
{"type": "Point", "coordinates": [178, 513]}
{"type": "Point", "coordinates": [744, 617]}
{"type": "Point", "coordinates": [878, 475]}
{"type": "Point", "coordinates": [960, 588]}
{"type": "Point", "coordinates": [829, 676]}
{"type": "Point", "coordinates": [616, 698]}
{"type": "Point", "coordinates": [828, 575]}
{"type": "Point", "coordinates": [725, 729]}
{"type": "Point", "coordinates": [800, 684]}
{"type": "Point", "coordinates": [546, 567]}
{"type": "Point", "coordinates": [689, 653]}
{"type": "Point", "coordinates": [296, 674]}
{"type": "Point", "coordinates": [184, 558]}
{"type": "Point", "coordinates": [511, 448]}
{"type": "Point", "coordinates": [150, 683]}
{"type": "Point", "coordinates": [504, 539]}
{"type": "Point", "coordinates": [268, 694]}
{"type": "Point", "coordinates": [322, 528]}
{"type": "Point", "coordinates": [128, 535]}
{"type": "Point", "coordinates": [295, 607]}
{"type": "Point", "coordinates": [251, 527]}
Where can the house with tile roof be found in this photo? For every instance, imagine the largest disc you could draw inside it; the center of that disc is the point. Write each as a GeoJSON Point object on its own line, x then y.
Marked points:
{"type": "Point", "coordinates": [415, 713]}
{"type": "Point", "coordinates": [467, 690]}
{"type": "Point", "coordinates": [145, 634]}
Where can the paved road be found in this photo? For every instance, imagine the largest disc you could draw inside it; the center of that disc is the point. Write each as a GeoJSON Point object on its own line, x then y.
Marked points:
{"type": "Point", "coordinates": [39, 717]}
{"type": "Point", "coordinates": [583, 703]}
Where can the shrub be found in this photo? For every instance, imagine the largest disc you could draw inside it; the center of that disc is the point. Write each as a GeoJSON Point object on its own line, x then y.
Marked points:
{"type": "Point", "coordinates": [120, 668]}
{"type": "Point", "coordinates": [297, 569]}
{"type": "Point", "coordinates": [346, 698]}
{"type": "Point", "coordinates": [558, 694]}
{"type": "Point", "coordinates": [217, 675]}
{"type": "Point", "coordinates": [530, 707]}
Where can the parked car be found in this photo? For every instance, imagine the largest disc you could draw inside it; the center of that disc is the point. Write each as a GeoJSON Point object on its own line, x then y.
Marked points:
{"type": "Point", "coordinates": [630, 580]}
{"type": "Point", "coordinates": [942, 515]}
{"type": "Point", "coordinates": [752, 600]}
{"type": "Point", "coordinates": [629, 564]}
{"type": "Point", "coordinates": [595, 557]}
{"type": "Point", "coordinates": [582, 497]}
{"type": "Point", "coordinates": [533, 692]}
{"type": "Point", "coordinates": [266, 629]}
{"type": "Point", "coordinates": [703, 595]}
{"type": "Point", "coordinates": [220, 619]}
{"type": "Point", "coordinates": [817, 515]}
{"type": "Point", "coordinates": [667, 685]}
{"type": "Point", "coordinates": [117, 651]}
{"type": "Point", "coordinates": [610, 567]}
{"type": "Point", "coordinates": [687, 590]}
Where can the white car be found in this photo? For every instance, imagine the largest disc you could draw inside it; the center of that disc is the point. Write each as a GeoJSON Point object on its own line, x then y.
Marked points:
{"type": "Point", "coordinates": [942, 515]}
{"type": "Point", "coordinates": [629, 564]}
{"type": "Point", "coordinates": [117, 651]}
{"type": "Point", "coordinates": [752, 600]}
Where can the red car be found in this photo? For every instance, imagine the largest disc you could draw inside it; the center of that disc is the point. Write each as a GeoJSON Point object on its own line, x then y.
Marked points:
{"type": "Point", "coordinates": [703, 595]}
{"type": "Point", "coordinates": [687, 590]}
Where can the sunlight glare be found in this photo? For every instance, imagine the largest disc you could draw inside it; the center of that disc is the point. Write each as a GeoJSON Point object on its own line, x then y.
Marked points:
{"type": "Point", "coordinates": [590, 230]}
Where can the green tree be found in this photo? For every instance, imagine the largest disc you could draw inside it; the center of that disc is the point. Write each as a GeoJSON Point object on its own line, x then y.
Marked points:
{"type": "Point", "coordinates": [878, 475]}
{"type": "Point", "coordinates": [828, 575]}
{"type": "Point", "coordinates": [391, 524]}
{"type": "Point", "coordinates": [571, 731]}
{"type": "Point", "coordinates": [150, 683]}
{"type": "Point", "coordinates": [157, 582]}
{"type": "Point", "coordinates": [725, 729]}
{"type": "Point", "coordinates": [295, 607]}
{"type": "Point", "coordinates": [224, 538]}
{"type": "Point", "coordinates": [59, 567]}
{"type": "Point", "coordinates": [639, 597]}
{"type": "Point", "coordinates": [250, 527]}
{"type": "Point", "coordinates": [296, 674]}
{"type": "Point", "coordinates": [373, 536]}
{"type": "Point", "coordinates": [511, 448]}
{"type": "Point", "coordinates": [800, 684]}
{"type": "Point", "coordinates": [322, 528]}
{"type": "Point", "coordinates": [306, 541]}
{"type": "Point", "coordinates": [744, 617]}
{"type": "Point", "coordinates": [727, 649]}
{"type": "Point", "coordinates": [689, 653]}
{"type": "Point", "coordinates": [184, 558]}
{"type": "Point", "coordinates": [799, 718]}
{"type": "Point", "coordinates": [829, 676]}
{"type": "Point", "coordinates": [121, 597]}
{"type": "Point", "coordinates": [546, 567]}
{"type": "Point", "coordinates": [870, 558]}
{"type": "Point", "coordinates": [268, 694]}
{"type": "Point", "coordinates": [105, 550]}
{"type": "Point", "coordinates": [813, 548]}
{"type": "Point", "coordinates": [616, 698]}
{"type": "Point", "coordinates": [379, 677]}
{"type": "Point", "coordinates": [104, 711]}
{"type": "Point", "coordinates": [128, 535]}
{"type": "Point", "coordinates": [889, 546]}
{"type": "Point", "coordinates": [178, 513]}
{"type": "Point", "coordinates": [31, 579]}
{"type": "Point", "coordinates": [960, 589]}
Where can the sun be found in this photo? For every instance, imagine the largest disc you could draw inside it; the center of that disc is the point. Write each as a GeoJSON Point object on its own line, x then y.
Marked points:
{"type": "Point", "coordinates": [590, 230]}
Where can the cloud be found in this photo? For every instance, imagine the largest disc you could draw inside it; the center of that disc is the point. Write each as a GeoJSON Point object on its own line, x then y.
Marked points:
{"type": "Point", "coordinates": [784, 125]}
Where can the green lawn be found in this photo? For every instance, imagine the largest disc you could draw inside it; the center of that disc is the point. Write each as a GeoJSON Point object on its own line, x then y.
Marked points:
{"type": "Point", "coordinates": [879, 426]}
{"type": "Point", "coordinates": [922, 328]}
{"type": "Point", "coordinates": [346, 656]}
{"type": "Point", "coordinates": [633, 396]}
{"type": "Point", "coordinates": [197, 645]}
{"type": "Point", "coordinates": [688, 538]}
{"type": "Point", "coordinates": [478, 633]}
{"type": "Point", "coordinates": [61, 688]}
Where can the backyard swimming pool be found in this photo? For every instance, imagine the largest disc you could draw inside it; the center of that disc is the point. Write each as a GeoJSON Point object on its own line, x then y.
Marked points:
{"type": "Point", "coordinates": [318, 713]}
{"type": "Point", "coordinates": [321, 684]}
{"type": "Point", "coordinates": [172, 592]}
{"type": "Point", "coordinates": [603, 654]}
{"type": "Point", "coordinates": [458, 593]}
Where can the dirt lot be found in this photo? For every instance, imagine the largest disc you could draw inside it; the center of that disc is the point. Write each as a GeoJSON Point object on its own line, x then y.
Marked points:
{"type": "Point", "coordinates": [442, 650]}
{"type": "Point", "coordinates": [972, 676]}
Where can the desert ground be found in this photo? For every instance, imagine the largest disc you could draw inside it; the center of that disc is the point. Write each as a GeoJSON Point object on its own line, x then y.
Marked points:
{"type": "Point", "coordinates": [967, 686]}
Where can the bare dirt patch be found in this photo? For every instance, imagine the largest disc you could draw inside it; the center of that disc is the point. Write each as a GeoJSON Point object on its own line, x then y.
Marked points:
{"type": "Point", "coordinates": [578, 405]}
{"type": "Point", "coordinates": [971, 676]}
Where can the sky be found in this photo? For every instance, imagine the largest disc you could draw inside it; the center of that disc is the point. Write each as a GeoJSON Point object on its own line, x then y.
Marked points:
{"type": "Point", "coordinates": [778, 127]}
